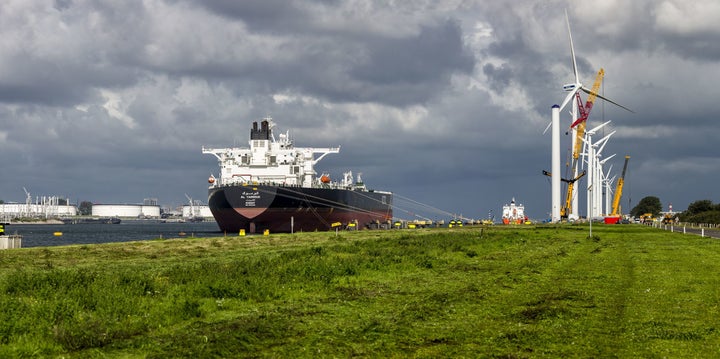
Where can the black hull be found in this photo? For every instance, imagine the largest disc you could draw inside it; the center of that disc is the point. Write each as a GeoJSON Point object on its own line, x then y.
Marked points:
{"type": "Point", "coordinates": [296, 209]}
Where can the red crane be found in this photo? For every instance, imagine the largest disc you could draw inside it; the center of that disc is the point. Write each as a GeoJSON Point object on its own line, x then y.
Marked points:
{"type": "Point", "coordinates": [579, 134]}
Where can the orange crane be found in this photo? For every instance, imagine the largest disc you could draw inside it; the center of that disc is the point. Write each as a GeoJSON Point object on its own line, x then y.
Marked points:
{"type": "Point", "coordinates": [579, 134]}
{"type": "Point", "coordinates": [618, 193]}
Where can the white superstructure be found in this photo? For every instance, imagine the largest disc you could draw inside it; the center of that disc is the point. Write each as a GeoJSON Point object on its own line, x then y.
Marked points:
{"type": "Point", "coordinates": [268, 160]}
{"type": "Point", "coordinates": [513, 213]}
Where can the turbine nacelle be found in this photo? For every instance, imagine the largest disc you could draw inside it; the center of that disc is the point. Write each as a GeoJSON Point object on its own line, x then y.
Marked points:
{"type": "Point", "coordinates": [570, 87]}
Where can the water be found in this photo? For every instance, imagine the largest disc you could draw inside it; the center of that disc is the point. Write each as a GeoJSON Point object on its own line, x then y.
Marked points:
{"type": "Point", "coordinates": [43, 235]}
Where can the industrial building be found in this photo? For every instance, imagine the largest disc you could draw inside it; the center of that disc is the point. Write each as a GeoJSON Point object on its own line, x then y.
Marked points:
{"type": "Point", "coordinates": [32, 210]}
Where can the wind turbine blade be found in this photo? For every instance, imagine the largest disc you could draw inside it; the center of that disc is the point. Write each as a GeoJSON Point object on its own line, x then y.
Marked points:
{"type": "Point", "coordinates": [603, 141]}
{"type": "Point", "coordinates": [592, 132]}
{"type": "Point", "coordinates": [568, 98]}
{"type": "Point", "coordinates": [606, 159]}
{"type": "Point", "coordinates": [572, 48]}
{"type": "Point", "coordinates": [548, 127]}
{"type": "Point", "coordinates": [606, 99]}
{"type": "Point", "coordinates": [582, 154]}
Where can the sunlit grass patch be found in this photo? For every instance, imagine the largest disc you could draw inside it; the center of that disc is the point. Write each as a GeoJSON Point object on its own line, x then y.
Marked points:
{"type": "Point", "coordinates": [521, 291]}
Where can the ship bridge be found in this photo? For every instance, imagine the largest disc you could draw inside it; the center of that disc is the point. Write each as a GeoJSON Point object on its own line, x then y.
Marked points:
{"type": "Point", "coordinates": [268, 160]}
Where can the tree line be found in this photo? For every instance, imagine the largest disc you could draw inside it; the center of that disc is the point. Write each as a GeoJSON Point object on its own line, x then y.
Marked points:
{"type": "Point", "coordinates": [702, 211]}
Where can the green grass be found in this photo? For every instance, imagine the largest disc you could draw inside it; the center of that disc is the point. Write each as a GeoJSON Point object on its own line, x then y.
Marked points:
{"type": "Point", "coordinates": [511, 292]}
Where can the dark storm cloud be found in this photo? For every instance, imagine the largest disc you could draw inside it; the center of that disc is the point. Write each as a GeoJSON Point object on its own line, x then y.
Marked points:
{"type": "Point", "coordinates": [702, 47]}
{"type": "Point", "coordinates": [262, 15]}
{"type": "Point", "coordinates": [60, 59]}
{"type": "Point", "coordinates": [420, 65]}
{"type": "Point", "coordinates": [39, 81]}
{"type": "Point", "coordinates": [398, 70]}
{"type": "Point", "coordinates": [431, 54]}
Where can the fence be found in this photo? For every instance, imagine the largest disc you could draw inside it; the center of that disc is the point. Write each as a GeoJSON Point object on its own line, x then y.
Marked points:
{"type": "Point", "coordinates": [702, 229]}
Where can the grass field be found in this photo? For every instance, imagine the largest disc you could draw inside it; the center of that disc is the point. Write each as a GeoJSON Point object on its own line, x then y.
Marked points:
{"type": "Point", "coordinates": [512, 292]}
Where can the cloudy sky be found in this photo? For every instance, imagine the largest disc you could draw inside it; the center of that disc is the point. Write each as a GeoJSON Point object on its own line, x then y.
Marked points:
{"type": "Point", "coordinates": [441, 102]}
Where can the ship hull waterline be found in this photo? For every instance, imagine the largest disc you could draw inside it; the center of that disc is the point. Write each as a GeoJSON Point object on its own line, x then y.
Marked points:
{"type": "Point", "coordinates": [256, 208]}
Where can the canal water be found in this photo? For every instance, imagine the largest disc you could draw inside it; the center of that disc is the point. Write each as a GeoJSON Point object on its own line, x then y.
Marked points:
{"type": "Point", "coordinates": [43, 235]}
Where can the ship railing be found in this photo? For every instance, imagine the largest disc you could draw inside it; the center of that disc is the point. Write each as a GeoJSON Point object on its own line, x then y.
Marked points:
{"type": "Point", "coordinates": [331, 185]}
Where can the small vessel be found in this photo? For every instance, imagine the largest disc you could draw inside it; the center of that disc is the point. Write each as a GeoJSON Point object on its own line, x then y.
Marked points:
{"type": "Point", "coordinates": [273, 186]}
{"type": "Point", "coordinates": [91, 220]}
{"type": "Point", "coordinates": [514, 214]}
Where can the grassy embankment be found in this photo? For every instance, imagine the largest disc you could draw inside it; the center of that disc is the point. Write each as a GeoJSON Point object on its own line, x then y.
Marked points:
{"type": "Point", "coordinates": [631, 291]}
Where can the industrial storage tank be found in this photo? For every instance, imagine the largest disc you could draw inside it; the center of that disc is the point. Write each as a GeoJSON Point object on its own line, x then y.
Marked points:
{"type": "Point", "coordinates": [126, 210]}
{"type": "Point", "coordinates": [196, 211]}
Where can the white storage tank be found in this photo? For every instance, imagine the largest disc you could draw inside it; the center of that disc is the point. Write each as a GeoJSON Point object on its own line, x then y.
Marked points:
{"type": "Point", "coordinates": [150, 211]}
{"type": "Point", "coordinates": [196, 210]}
{"type": "Point", "coordinates": [126, 210]}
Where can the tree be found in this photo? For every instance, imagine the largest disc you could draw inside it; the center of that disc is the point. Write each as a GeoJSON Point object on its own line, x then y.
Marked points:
{"type": "Point", "coordinates": [699, 207]}
{"type": "Point", "coordinates": [703, 211]}
{"type": "Point", "coordinates": [649, 204]}
{"type": "Point", "coordinates": [85, 208]}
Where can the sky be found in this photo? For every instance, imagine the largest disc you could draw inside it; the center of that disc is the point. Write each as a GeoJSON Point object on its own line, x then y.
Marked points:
{"type": "Point", "coordinates": [444, 103]}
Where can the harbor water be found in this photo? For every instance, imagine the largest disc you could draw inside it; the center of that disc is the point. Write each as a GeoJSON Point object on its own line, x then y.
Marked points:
{"type": "Point", "coordinates": [44, 235]}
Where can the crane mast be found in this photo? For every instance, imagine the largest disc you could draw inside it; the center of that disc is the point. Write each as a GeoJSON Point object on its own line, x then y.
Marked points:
{"type": "Point", "coordinates": [579, 126]}
{"type": "Point", "coordinates": [619, 189]}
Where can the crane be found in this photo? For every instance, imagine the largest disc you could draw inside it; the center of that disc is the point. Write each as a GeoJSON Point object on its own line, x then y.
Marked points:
{"type": "Point", "coordinates": [192, 206]}
{"type": "Point", "coordinates": [618, 193]}
{"type": "Point", "coordinates": [579, 126]}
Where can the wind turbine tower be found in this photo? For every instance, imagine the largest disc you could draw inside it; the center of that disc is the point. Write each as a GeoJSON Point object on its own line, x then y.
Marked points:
{"type": "Point", "coordinates": [555, 165]}
{"type": "Point", "coordinates": [594, 184]}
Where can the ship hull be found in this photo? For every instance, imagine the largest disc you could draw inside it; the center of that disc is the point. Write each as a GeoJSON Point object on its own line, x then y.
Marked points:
{"type": "Point", "coordinates": [256, 208]}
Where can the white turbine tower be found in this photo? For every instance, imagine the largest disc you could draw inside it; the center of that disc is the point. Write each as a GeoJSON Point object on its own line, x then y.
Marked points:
{"type": "Point", "coordinates": [598, 177]}
{"type": "Point", "coordinates": [591, 171]}
{"type": "Point", "coordinates": [607, 183]}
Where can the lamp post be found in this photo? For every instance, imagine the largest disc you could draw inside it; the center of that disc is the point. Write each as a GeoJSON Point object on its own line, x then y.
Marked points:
{"type": "Point", "coordinates": [590, 188]}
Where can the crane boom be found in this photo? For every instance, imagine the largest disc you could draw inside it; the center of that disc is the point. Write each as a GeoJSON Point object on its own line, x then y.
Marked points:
{"type": "Point", "coordinates": [619, 189]}
{"type": "Point", "coordinates": [580, 122]}
{"type": "Point", "coordinates": [579, 134]}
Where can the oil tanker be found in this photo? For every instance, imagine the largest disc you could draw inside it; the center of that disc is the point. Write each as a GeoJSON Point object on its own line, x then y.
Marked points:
{"type": "Point", "coordinates": [272, 186]}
